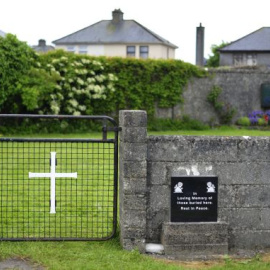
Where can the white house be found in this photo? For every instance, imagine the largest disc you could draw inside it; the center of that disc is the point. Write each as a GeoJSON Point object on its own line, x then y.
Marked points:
{"type": "Point", "coordinates": [117, 37]}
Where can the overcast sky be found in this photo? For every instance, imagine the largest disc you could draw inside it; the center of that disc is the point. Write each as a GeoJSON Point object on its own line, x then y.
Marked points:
{"type": "Point", "coordinates": [174, 20]}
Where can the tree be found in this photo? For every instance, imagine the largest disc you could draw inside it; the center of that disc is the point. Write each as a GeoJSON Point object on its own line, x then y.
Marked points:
{"type": "Point", "coordinates": [213, 60]}
{"type": "Point", "coordinates": [16, 59]}
{"type": "Point", "coordinates": [25, 85]}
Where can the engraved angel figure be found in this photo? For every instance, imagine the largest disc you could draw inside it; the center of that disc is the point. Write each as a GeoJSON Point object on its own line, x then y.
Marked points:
{"type": "Point", "coordinates": [178, 188]}
{"type": "Point", "coordinates": [211, 187]}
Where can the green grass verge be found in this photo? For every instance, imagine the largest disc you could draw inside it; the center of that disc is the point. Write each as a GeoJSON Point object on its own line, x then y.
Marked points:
{"type": "Point", "coordinates": [110, 256]}
{"type": "Point", "coordinates": [220, 131]}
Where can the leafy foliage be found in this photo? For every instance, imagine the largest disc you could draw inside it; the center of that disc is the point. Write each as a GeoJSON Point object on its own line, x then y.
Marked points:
{"type": "Point", "coordinates": [145, 84]}
{"type": "Point", "coordinates": [16, 60]}
{"type": "Point", "coordinates": [82, 87]}
{"type": "Point", "coordinates": [185, 123]}
{"type": "Point", "coordinates": [60, 82]}
{"type": "Point", "coordinates": [213, 60]}
{"type": "Point", "coordinates": [243, 121]}
{"type": "Point", "coordinates": [224, 110]}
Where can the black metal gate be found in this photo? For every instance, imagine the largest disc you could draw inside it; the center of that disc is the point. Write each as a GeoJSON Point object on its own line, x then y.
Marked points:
{"type": "Point", "coordinates": [61, 188]}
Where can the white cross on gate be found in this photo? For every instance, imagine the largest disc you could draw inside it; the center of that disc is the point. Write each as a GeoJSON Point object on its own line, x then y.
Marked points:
{"type": "Point", "coordinates": [52, 175]}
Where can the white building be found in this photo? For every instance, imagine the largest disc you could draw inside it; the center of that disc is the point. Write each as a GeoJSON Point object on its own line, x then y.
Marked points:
{"type": "Point", "coordinates": [117, 37]}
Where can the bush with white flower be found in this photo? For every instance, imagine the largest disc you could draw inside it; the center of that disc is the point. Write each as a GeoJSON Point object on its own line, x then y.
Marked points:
{"type": "Point", "coordinates": [83, 84]}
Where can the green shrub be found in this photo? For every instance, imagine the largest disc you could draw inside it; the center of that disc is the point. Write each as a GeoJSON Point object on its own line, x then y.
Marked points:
{"type": "Point", "coordinates": [145, 84]}
{"type": "Point", "coordinates": [224, 110]}
{"type": "Point", "coordinates": [243, 121]}
{"type": "Point", "coordinates": [60, 82]}
{"type": "Point", "coordinates": [262, 122]}
{"type": "Point", "coordinates": [185, 123]}
{"type": "Point", "coordinates": [16, 59]}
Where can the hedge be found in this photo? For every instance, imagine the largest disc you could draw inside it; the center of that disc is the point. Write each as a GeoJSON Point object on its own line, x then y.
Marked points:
{"type": "Point", "coordinates": [60, 82]}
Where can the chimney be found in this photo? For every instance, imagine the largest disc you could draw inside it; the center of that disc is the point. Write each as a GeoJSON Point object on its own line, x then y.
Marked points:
{"type": "Point", "coordinates": [200, 46]}
{"type": "Point", "coordinates": [42, 43]}
{"type": "Point", "coordinates": [117, 15]}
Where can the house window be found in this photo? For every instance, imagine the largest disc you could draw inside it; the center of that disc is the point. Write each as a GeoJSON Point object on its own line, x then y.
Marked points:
{"type": "Point", "coordinates": [71, 49]}
{"type": "Point", "coordinates": [245, 59]}
{"type": "Point", "coordinates": [237, 59]}
{"type": "Point", "coordinates": [252, 59]}
{"type": "Point", "coordinates": [83, 49]}
{"type": "Point", "coordinates": [131, 51]}
{"type": "Point", "coordinates": [144, 52]}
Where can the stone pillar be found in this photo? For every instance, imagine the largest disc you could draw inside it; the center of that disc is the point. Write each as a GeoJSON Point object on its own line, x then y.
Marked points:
{"type": "Point", "coordinates": [200, 46]}
{"type": "Point", "coordinates": [133, 172]}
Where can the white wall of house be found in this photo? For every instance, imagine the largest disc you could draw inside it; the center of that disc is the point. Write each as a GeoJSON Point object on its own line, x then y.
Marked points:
{"type": "Point", "coordinates": [161, 51]}
{"type": "Point", "coordinates": [155, 51]}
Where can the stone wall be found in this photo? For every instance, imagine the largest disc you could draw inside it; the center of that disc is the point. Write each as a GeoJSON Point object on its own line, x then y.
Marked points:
{"type": "Point", "coordinates": [146, 167]}
{"type": "Point", "coordinates": [240, 89]}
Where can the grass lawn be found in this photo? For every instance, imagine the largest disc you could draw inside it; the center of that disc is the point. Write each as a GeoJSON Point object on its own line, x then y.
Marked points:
{"type": "Point", "coordinates": [109, 254]}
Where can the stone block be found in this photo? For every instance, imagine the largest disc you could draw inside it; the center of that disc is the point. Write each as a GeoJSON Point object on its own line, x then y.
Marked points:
{"type": "Point", "coordinates": [196, 252]}
{"type": "Point", "coordinates": [134, 186]}
{"type": "Point", "coordinates": [133, 151]}
{"type": "Point", "coordinates": [134, 202]}
{"type": "Point", "coordinates": [195, 240]}
{"type": "Point", "coordinates": [214, 149]}
{"type": "Point", "coordinates": [133, 218]}
{"type": "Point", "coordinates": [129, 118]}
{"type": "Point", "coordinates": [244, 196]}
{"type": "Point", "coordinates": [254, 149]}
{"type": "Point", "coordinates": [226, 196]}
{"type": "Point", "coordinates": [241, 218]}
{"type": "Point", "coordinates": [130, 244]}
{"type": "Point", "coordinates": [168, 148]}
{"type": "Point", "coordinates": [133, 134]}
{"type": "Point", "coordinates": [159, 197]}
{"type": "Point", "coordinates": [177, 229]}
{"type": "Point", "coordinates": [252, 196]}
{"type": "Point", "coordinates": [157, 173]}
{"type": "Point", "coordinates": [155, 221]}
{"type": "Point", "coordinates": [247, 196]}
{"type": "Point", "coordinates": [249, 239]}
{"type": "Point", "coordinates": [198, 238]}
{"type": "Point", "coordinates": [265, 219]}
{"type": "Point", "coordinates": [133, 232]}
{"type": "Point", "coordinates": [134, 169]}
{"type": "Point", "coordinates": [239, 173]}
{"type": "Point", "coordinates": [263, 170]}
{"type": "Point", "coordinates": [194, 149]}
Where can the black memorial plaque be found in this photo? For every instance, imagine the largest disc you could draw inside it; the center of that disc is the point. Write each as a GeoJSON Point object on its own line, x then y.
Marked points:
{"type": "Point", "coordinates": [194, 198]}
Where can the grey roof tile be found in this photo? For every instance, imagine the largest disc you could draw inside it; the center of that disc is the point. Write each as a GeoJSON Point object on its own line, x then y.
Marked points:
{"type": "Point", "coordinates": [2, 34]}
{"type": "Point", "coordinates": [108, 32]}
{"type": "Point", "coordinates": [42, 47]}
{"type": "Point", "coordinates": [255, 41]}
